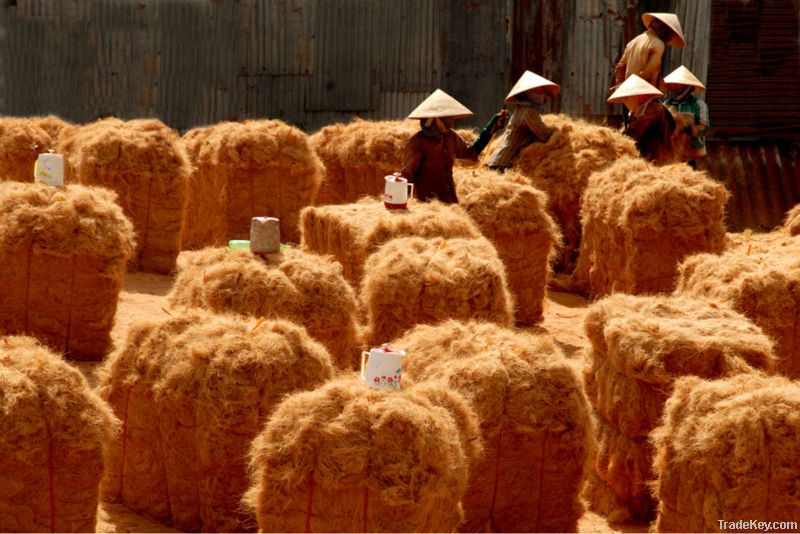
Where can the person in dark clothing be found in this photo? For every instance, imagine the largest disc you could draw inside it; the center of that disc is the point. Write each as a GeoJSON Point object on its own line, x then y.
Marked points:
{"type": "Point", "coordinates": [650, 123]}
{"type": "Point", "coordinates": [431, 152]}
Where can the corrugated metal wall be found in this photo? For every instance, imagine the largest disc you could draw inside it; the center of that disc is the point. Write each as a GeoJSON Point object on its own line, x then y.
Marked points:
{"type": "Point", "coordinates": [190, 62]}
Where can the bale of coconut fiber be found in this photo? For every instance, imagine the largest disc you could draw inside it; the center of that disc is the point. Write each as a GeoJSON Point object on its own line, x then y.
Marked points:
{"type": "Point", "coordinates": [272, 171]}
{"type": "Point", "coordinates": [641, 221]}
{"type": "Point", "coordinates": [349, 458]}
{"type": "Point", "coordinates": [143, 162]}
{"type": "Point", "coordinates": [412, 280]}
{"type": "Point", "coordinates": [533, 416]}
{"type": "Point", "coordinates": [639, 346]}
{"type": "Point", "coordinates": [53, 429]}
{"type": "Point", "coordinates": [561, 168]}
{"type": "Point", "coordinates": [63, 253]}
{"type": "Point", "coordinates": [192, 391]}
{"type": "Point", "coordinates": [21, 142]}
{"type": "Point", "coordinates": [358, 155]}
{"type": "Point", "coordinates": [728, 449]}
{"type": "Point", "coordinates": [206, 218]}
{"type": "Point", "coordinates": [307, 289]}
{"type": "Point", "coordinates": [791, 222]}
{"type": "Point", "coordinates": [763, 286]}
{"type": "Point", "coordinates": [513, 216]}
{"type": "Point", "coordinates": [53, 125]}
{"type": "Point", "coordinates": [351, 232]}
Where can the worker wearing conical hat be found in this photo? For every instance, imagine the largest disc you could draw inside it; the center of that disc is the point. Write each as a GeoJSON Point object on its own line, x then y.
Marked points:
{"type": "Point", "coordinates": [431, 152]}
{"type": "Point", "coordinates": [644, 52]}
{"type": "Point", "coordinates": [525, 125]}
{"type": "Point", "coordinates": [650, 123]}
{"type": "Point", "coordinates": [690, 113]}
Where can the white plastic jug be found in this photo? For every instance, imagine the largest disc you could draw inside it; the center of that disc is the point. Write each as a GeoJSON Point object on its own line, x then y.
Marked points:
{"type": "Point", "coordinates": [382, 367]}
{"type": "Point", "coordinates": [397, 191]}
{"type": "Point", "coordinates": [49, 169]}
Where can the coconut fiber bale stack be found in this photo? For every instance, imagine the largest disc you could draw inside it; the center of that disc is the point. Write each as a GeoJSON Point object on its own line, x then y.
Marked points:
{"type": "Point", "coordinates": [534, 421]}
{"type": "Point", "coordinates": [639, 347]}
{"type": "Point", "coordinates": [307, 289]}
{"type": "Point", "coordinates": [53, 125]}
{"type": "Point", "coordinates": [192, 391]}
{"type": "Point", "coordinates": [791, 222]}
{"type": "Point", "coordinates": [348, 458]}
{"type": "Point", "coordinates": [765, 287]}
{"type": "Point", "coordinates": [206, 219]}
{"type": "Point", "coordinates": [272, 171]}
{"type": "Point", "coordinates": [53, 430]}
{"type": "Point", "coordinates": [351, 232]}
{"type": "Point", "coordinates": [728, 449]}
{"type": "Point", "coordinates": [143, 162]}
{"type": "Point", "coordinates": [561, 167]}
{"type": "Point", "coordinates": [21, 142]}
{"type": "Point", "coordinates": [513, 217]}
{"type": "Point", "coordinates": [62, 259]}
{"type": "Point", "coordinates": [411, 281]}
{"type": "Point", "coordinates": [641, 221]}
{"type": "Point", "coordinates": [357, 156]}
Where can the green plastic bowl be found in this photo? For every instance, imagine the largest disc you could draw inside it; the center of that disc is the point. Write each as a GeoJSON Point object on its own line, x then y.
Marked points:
{"type": "Point", "coordinates": [238, 243]}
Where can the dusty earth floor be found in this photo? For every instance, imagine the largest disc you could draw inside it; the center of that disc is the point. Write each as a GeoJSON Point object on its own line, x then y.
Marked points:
{"type": "Point", "coordinates": [144, 296]}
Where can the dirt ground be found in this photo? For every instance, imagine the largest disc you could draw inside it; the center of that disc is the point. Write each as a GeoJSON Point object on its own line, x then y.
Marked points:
{"type": "Point", "coordinates": [144, 297]}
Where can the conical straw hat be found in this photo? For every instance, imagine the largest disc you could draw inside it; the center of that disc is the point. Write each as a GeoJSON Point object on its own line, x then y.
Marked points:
{"type": "Point", "coordinates": [632, 87]}
{"type": "Point", "coordinates": [683, 76]}
{"type": "Point", "coordinates": [530, 80]}
{"type": "Point", "coordinates": [440, 104]}
{"type": "Point", "coordinates": [671, 20]}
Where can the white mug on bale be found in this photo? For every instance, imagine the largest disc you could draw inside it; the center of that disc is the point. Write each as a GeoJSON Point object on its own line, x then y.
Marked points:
{"type": "Point", "coordinates": [49, 169]}
{"type": "Point", "coordinates": [397, 192]}
{"type": "Point", "coordinates": [382, 367]}
{"type": "Point", "coordinates": [265, 235]}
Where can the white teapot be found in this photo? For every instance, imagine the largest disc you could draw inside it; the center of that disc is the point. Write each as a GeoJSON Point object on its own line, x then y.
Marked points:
{"type": "Point", "coordinates": [382, 367]}
{"type": "Point", "coordinates": [397, 191]}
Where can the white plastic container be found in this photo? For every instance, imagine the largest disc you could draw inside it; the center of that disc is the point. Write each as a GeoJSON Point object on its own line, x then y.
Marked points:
{"type": "Point", "coordinates": [49, 169]}
{"type": "Point", "coordinates": [382, 367]}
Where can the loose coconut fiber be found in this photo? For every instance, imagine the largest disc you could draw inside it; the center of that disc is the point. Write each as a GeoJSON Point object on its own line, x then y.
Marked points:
{"type": "Point", "coordinates": [21, 142]}
{"type": "Point", "coordinates": [192, 391]}
{"type": "Point", "coordinates": [533, 415]}
{"type": "Point", "coordinates": [53, 126]}
{"type": "Point", "coordinates": [728, 449]}
{"type": "Point", "coordinates": [271, 169]}
{"type": "Point", "coordinates": [143, 162]}
{"type": "Point", "coordinates": [639, 347]}
{"type": "Point", "coordinates": [348, 458]}
{"type": "Point", "coordinates": [411, 281]}
{"type": "Point", "coordinates": [358, 155]}
{"type": "Point", "coordinates": [301, 287]}
{"type": "Point", "coordinates": [62, 259]}
{"type": "Point", "coordinates": [513, 217]}
{"type": "Point", "coordinates": [351, 232]}
{"type": "Point", "coordinates": [561, 167]}
{"type": "Point", "coordinates": [792, 221]}
{"type": "Point", "coordinates": [765, 287]}
{"type": "Point", "coordinates": [53, 429]}
{"type": "Point", "coordinates": [641, 221]}
{"type": "Point", "coordinates": [206, 219]}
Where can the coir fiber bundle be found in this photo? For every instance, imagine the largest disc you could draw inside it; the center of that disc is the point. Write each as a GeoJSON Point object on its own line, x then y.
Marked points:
{"type": "Point", "coordinates": [192, 391]}
{"type": "Point", "coordinates": [272, 171]}
{"type": "Point", "coordinates": [639, 347]}
{"type": "Point", "coordinates": [792, 221]}
{"type": "Point", "coordinates": [62, 259]}
{"type": "Point", "coordinates": [513, 217]}
{"type": "Point", "coordinates": [351, 232]}
{"type": "Point", "coordinates": [53, 125]}
{"type": "Point", "coordinates": [358, 155]}
{"type": "Point", "coordinates": [411, 281]}
{"type": "Point", "coordinates": [143, 162]}
{"type": "Point", "coordinates": [561, 167]}
{"type": "Point", "coordinates": [533, 418]}
{"type": "Point", "coordinates": [206, 219]}
{"type": "Point", "coordinates": [348, 458]}
{"type": "Point", "coordinates": [307, 289]}
{"type": "Point", "coordinates": [641, 221]}
{"type": "Point", "coordinates": [765, 287]}
{"type": "Point", "coordinates": [728, 449]}
{"type": "Point", "coordinates": [21, 142]}
{"type": "Point", "coordinates": [53, 429]}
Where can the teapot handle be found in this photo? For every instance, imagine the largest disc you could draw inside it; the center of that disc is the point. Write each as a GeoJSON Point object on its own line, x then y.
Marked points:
{"type": "Point", "coordinates": [364, 356]}
{"type": "Point", "coordinates": [410, 191]}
